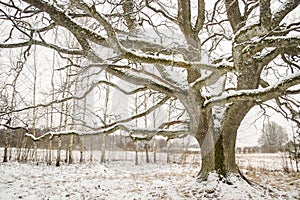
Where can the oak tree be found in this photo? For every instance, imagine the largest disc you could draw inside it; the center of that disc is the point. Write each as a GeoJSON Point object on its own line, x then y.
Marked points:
{"type": "Point", "coordinates": [217, 59]}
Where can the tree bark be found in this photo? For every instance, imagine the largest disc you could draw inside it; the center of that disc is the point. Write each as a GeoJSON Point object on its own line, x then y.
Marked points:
{"type": "Point", "coordinates": [147, 153]}
{"type": "Point", "coordinates": [206, 140]}
{"type": "Point", "coordinates": [81, 149]}
{"type": "Point", "coordinates": [136, 154]}
{"type": "Point", "coordinates": [154, 150]}
{"type": "Point", "coordinates": [6, 146]}
{"type": "Point", "coordinates": [225, 147]}
{"type": "Point", "coordinates": [103, 149]}
{"type": "Point", "coordinates": [70, 160]}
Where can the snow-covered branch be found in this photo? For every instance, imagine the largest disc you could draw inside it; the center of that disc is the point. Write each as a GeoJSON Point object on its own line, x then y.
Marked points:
{"type": "Point", "coordinates": [277, 42]}
{"type": "Point", "coordinates": [134, 133]}
{"type": "Point", "coordinates": [283, 10]}
{"type": "Point", "coordinates": [62, 19]}
{"type": "Point", "coordinates": [137, 79]}
{"type": "Point", "coordinates": [259, 95]}
{"type": "Point", "coordinates": [175, 62]}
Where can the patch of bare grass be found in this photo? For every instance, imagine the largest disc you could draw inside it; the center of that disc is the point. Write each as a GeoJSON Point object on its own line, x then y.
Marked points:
{"type": "Point", "coordinates": [282, 180]}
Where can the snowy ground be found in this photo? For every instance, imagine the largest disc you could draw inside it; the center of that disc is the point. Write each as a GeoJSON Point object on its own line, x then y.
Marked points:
{"type": "Point", "coordinates": [123, 180]}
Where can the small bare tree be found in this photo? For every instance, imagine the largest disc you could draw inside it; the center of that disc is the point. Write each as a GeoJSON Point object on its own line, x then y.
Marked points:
{"type": "Point", "coordinates": [273, 137]}
{"type": "Point", "coordinates": [8, 104]}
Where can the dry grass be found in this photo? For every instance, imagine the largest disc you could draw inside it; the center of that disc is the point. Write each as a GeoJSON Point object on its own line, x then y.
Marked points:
{"type": "Point", "coordinates": [282, 181]}
{"type": "Point", "coordinates": [270, 170]}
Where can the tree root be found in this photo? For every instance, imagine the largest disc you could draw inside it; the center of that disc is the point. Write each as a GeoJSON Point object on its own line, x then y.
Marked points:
{"type": "Point", "coordinates": [252, 183]}
{"type": "Point", "coordinates": [244, 177]}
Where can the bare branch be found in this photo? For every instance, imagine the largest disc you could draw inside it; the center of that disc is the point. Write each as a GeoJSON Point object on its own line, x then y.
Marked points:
{"type": "Point", "coordinates": [88, 91]}
{"type": "Point", "coordinates": [142, 114]}
{"type": "Point", "coordinates": [42, 43]}
{"type": "Point", "coordinates": [164, 13]}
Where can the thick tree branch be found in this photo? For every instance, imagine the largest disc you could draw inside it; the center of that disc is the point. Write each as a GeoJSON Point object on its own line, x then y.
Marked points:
{"type": "Point", "coordinates": [190, 33]}
{"type": "Point", "coordinates": [259, 95]}
{"type": "Point", "coordinates": [201, 16]}
{"type": "Point", "coordinates": [277, 42]}
{"type": "Point", "coordinates": [136, 134]}
{"type": "Point", "coordinates": [171, 123]}
{"type": "Point", "coordinates": [138, 80]}
{"type": "Point", "coordinates": [130, 15]}
{"type": "Point", "coordinates": [263, 59]}
{"type": "Point", "coordinates": [62, 19]}
{"type": "Point", "coordinates": [265, 13]}
{"type": "Point", "coordinates": [286, 8]}
{"type": "Point", "coordinates": [234, 14]}
{"type": "Point", "coordinates": [184, 16]}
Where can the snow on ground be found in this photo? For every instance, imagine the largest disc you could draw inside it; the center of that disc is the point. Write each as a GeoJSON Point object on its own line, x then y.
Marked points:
{"type": "Point", "coordinates": [124, 180]}
{"type": "Point", "coordinates": [267, 161]}
{"type": "Point", "coordinates": [94, 181]}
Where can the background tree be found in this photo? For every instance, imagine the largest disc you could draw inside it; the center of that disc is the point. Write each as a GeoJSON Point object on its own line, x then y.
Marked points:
{"type": "Point", "coordinates": [273, 137]}
{"type": "Point", "coordinates": [293, 148]}
{"type": "Point", "coordinates": [8, 93]}
{"type": "Point", "coordinates": [216, 59]}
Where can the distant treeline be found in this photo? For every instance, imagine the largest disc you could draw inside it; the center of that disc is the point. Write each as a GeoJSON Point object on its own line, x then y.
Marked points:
{"type": "Point", "coordinates": [267, 148]}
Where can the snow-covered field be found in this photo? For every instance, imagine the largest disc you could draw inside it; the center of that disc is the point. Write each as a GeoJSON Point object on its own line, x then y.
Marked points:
{"type": "Point", "coordinates": [124, 180]}
{"type": "Point", "coordinates": [265, 161]}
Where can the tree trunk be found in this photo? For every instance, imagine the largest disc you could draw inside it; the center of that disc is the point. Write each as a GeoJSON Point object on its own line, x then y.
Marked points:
{"type": "Point", "coordinates": [136, 154]}
{"type": "Point", "coordinates": [67, 153]}
{"type": "Point", "coordinates": [49, 158]}
{"type": "Point", "coordinates": [154, 150]}
{"type": "Point", "coordinates": [235, 115]}
{"type": "Point", "coordinates": [20, 146]}
{"type": "Point", "coordinates": [81, 149]}
{"type": "Point", "coordinates": [168, 152]}
{"type": "Point", "coordinates": [34, 111]}
{"type": "Point", "coordinates": [218, 143]}
{"type": "Point", "coordinates": [58, 152]}
{"type": "Point", "coordinates": [103, 149]}
{"type": "Point", "coordinates": [147, 153]}
{"type": "Point", "coordinates": [218, 146]}
{"type": "Point", "coordinates": [71, 149]}
{"type": "Point", "coordinates": [207, 146]}
{"type": "Point", "coordinates": [7, 137]}
{"type": "Point", "coordinates": [105, 120]}
{"type": "Point", "coordinates": [92, 149]}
